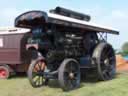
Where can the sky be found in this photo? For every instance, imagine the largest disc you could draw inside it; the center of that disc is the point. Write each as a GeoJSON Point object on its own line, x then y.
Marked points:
{"type": "Point", "coordinates": [113, 13]}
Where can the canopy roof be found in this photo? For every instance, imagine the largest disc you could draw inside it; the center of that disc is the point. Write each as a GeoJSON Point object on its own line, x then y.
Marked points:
{"type": "Point", "coordinates": [55, 18]}
{"type": "Point", "coordinates": [40, 17]}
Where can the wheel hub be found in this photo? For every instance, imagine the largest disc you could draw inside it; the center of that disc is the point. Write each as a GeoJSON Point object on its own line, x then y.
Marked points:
{"type": "Point", "coordinates": [40, 73]}
{"type": "Point", "coordinates": [2, 73]}
{"type": "Point", "coordinates": [71, 75]}
{"type": "Point", "coordinates": [106, 62]}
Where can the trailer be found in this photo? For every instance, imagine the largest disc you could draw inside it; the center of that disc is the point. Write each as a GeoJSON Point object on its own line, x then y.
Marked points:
{"type": "Point", "coordinates": [62, 43]}
{"type": "Point", "coordinates": [12, 51]}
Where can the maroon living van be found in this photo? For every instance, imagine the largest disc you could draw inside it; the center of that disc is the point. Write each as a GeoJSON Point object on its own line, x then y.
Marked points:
{"type": "Point", "coordinates": [13, 51]}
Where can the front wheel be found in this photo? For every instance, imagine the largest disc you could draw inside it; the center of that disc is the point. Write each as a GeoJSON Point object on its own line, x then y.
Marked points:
{"type": "Point", "coordinates": [36, 72]}
{"type": "Point", "coordinates": [69, 74]}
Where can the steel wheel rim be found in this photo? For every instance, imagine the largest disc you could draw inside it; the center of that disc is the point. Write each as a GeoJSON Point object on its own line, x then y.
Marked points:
{"type": "Point", "coordinates": [3, 73]}
{"type": "Point", "coordinates": [71, 82]}
{"type": "Point", "coordinates": [107, 66]}
{"type": "Point", "coordinates": [37, 73]}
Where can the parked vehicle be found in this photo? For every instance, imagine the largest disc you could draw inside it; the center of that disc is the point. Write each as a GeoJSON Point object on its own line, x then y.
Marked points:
{"type": "Point", "coordinates": [12, 51]}
{"type": "Point", "coordinates": [60, 45]}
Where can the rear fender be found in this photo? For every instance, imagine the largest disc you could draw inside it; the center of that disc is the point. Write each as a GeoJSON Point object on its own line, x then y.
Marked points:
{"type": "Point", "coordinates": [32, 47]}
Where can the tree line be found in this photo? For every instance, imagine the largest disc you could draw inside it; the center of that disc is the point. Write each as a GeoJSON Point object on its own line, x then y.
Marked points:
{"type": "Point", "coordinates": [124, 49]}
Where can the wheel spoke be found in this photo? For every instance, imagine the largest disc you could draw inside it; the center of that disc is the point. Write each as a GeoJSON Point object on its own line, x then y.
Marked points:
{"type": "Point", "coordinates": [110, 67]}
{"type": "Point", "coordinates": [74, 82]}
{"type": "Point", "coordinates": [37, 82]}
{"type": "Point", "coordinates": [106, 50]}
{"type": "Point", "coordinates": [104, 71]}
{"type": "Point", "coordinates": [104, 53]}
{"type": "Point", "coordinates": [43, 79]}
{"type": "Point", "coordinates": [39, 65]}
{"type": "Point", "coordinates": [76, 77]}
{"type": "Point", "coordinates": [35, 69]}
{"type": "Point", "coordinates": [34, 74]}
{"type": "Point", "coordinates": [109, 74]}
{"type": "Point", "coordinates": [75, 70]}
{"type": "Point", "coordinates": [70, 84]}
{"type": "Point", "coordinates": [105, 75]}
{"type": "Point", "coordinates": [66, 71]}
{"type": "Point", "coordinates": [36, 79]}
{"type": "Point", "coordinates": [40, 83]}
{"type": "Point", "coordinates": [71, 67]}
{"type": "Point", "coordinates": [75, 73]}
{"type": "Point", "coordinates": [108, 53]}
{"type": "Point", "coordinates": [66, 76]}
{"type": "Point", "coordinates": [112, 58]}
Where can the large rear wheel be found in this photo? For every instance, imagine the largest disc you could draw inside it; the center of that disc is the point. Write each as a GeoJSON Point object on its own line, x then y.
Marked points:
{"type": "Point", "coordinates": [69, 74]}
{"type": "Point", "coordinates": [104, 57]}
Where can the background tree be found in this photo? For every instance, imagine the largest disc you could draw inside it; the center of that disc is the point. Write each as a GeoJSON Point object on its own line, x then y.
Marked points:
{"type": "Point", "coordinates": [125, 48]}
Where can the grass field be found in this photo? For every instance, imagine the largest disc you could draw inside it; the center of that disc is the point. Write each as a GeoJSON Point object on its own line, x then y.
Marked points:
{"type": "Point", "coordinates": [19, 86]}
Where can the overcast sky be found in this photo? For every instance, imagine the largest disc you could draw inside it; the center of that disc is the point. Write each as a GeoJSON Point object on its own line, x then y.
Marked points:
{"type": "Point", "coordinates": [113, 13]}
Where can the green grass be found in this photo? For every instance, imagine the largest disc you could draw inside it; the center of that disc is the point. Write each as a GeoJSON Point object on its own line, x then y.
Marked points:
{"type": "Point", "coordinates": [21, 87]}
